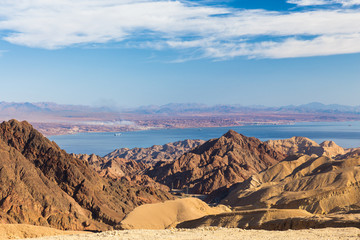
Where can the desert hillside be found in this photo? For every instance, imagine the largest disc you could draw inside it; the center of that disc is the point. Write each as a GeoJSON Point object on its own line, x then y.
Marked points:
{"type": "Point", "coordinates": [316, 184]}
{"type": "Point", "coordinates": [43, 185]}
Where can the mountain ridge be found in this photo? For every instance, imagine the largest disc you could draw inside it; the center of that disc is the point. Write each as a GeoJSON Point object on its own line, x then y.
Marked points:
{"type": "Point", "coordinates": [165, 152]}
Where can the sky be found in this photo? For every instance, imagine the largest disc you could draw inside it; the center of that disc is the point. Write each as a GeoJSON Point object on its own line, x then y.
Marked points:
{"type": "Point", "coordinates": [129, 53]}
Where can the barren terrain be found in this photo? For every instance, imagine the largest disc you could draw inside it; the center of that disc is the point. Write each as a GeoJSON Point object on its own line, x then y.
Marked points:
{"type": "Point", "coordinates": [216, 234]}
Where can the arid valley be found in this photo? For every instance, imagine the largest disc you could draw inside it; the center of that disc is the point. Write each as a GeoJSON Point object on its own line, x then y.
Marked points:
{"type": "Point", "coordinates": [179, 119]}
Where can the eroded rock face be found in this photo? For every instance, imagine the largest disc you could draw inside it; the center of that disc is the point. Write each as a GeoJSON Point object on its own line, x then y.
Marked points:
{"type": "Point", "coordinates": [217, 163]}
{"type": "Point", "coordinates": [43, 185]}
{"type": "Point", "coordinates": [113, 168]}
{"type": "Point", "coordinates": [151, 155]}
{"type": "Point", "coordinates": [297, 145]}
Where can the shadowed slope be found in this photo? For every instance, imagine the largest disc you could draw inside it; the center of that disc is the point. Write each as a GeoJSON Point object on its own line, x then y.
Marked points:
{"type": "Point", "coordinates": [105, 201]}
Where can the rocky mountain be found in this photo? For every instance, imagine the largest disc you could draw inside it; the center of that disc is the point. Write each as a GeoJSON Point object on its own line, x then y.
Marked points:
{"type": "Point", "coordinates": [299, 192]}
{"type": "Point", "coordinates": [217, 163]}
{"type": "Point", "coordinates": [166, 152]}
{"type": "Point", "coordinates": [43, 185]}
{"type": "Point", "coordinates": [319, 185]}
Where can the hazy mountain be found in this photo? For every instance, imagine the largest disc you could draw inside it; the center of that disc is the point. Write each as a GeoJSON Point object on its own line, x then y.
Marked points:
{"type": "Point", "coordinates": [46, 110]}
{"type": "Point", "coordinates": [47, 107]}
{"type": "Point", "coordinates": [317, 107]}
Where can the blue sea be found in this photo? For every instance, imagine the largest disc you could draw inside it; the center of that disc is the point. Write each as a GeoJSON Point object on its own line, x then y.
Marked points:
{"type": "Point", "coordinates": [345, 134]}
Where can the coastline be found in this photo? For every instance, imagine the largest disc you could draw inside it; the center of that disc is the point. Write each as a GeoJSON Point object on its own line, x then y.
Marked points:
{"type": "Point", "coordinates": [101, 143]}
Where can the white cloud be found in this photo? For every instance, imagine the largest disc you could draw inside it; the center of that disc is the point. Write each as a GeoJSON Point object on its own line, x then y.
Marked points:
{"type": "Point", "coordinates": [216, 32]}
{"type": "Point", "coordinates": [346, 3]}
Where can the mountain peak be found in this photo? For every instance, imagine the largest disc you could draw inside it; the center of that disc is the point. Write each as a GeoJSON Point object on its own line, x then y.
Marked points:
{"type": "Point", "coordinates": [217, 163]}
{"type": "Point", "coordinates": [231, 133]}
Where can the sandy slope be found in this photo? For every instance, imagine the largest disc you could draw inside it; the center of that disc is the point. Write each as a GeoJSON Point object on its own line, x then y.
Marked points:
{"type": "Point", "coordinates": [168, 214]}
{"type": "Point", "coordinates": [16, 231]}
{"type": "Point", "coordinates": [216, 234]}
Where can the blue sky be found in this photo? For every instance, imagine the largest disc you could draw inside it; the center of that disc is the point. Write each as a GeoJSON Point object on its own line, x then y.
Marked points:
{"type": "Point", "coordinates": [140, 52]}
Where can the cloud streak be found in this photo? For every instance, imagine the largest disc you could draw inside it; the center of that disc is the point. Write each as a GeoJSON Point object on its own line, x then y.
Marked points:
{"type": "Point", "coordinates": [345, 3]}
{"type": "Point", "coordinates": [207, 31]}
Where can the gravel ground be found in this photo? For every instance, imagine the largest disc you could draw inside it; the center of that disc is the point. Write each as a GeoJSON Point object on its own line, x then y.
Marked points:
{"type": "Point", "coordinates": [216, 234]}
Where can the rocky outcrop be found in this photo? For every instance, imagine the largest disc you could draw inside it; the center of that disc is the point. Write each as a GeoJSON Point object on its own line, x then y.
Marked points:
{"type": "Point", "coordinates": [119, 168]}
{"type": "Point", "coordinates": [303, 145]}
{"type": "Point", "coordinates": [166, 152]}
{"type": "Point", "coordinates": [217, 163]}
{"type": "Point", "coordinates": [331, 149]}
{"type": "Point", "coordinates": [43, 185]}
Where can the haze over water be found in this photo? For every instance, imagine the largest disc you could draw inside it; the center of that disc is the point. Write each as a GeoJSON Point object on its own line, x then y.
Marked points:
{"type": "Point", "coordinates": [345, 134]}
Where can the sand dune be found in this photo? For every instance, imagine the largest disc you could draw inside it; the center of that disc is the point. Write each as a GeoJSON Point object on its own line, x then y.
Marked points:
{"type": "Point", "coordinates": [168, 214]}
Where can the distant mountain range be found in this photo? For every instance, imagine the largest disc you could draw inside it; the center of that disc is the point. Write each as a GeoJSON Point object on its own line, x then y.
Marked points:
{"type": "Point", "coordinates": [54, 119]}
{"type": "Point", "coordinates": [176, 108]}
{"type": "Point", "coordinates": [46, 107]}
{"type": "Point", "coordinates": [8, 108]}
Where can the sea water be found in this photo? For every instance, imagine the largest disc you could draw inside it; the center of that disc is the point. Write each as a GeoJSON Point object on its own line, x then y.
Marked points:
{"type": "Point", "coordinates": [345, 134]}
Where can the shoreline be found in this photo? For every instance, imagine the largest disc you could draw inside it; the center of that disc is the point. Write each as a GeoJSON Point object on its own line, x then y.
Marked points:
{"type": "Point", "coordinates": [192, 127]}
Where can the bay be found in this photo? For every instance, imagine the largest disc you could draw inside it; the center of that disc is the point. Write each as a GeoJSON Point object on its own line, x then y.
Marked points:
{"type": "Point", "coordinates": [345, 134]}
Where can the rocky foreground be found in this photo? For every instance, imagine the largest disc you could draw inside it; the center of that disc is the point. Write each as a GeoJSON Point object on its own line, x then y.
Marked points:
{"type": "Point", "coordinates": [216, 234]}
